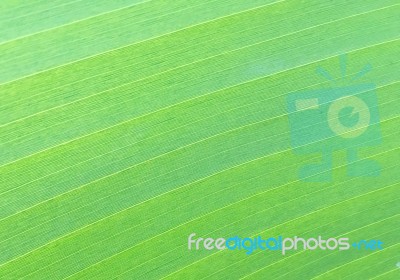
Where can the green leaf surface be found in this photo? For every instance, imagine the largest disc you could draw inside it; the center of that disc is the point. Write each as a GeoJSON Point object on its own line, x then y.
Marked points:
{"type": "Point", "coordinates": [127, 125]}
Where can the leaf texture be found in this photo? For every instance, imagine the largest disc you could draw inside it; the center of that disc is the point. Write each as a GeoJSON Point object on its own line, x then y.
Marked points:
{"type": "Point", "coordinates": [127, 125]}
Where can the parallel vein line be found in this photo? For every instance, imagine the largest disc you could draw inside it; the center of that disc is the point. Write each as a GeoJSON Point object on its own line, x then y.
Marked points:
{"type": "Point", "coordinates": [356, 260]}
{"type": "Point", "coordinates": [210, 233]}
{"type": "Point", "coordinates": [304, 251]}
{"type": "Point", "coordinates": [199, 180]}
{"type": "Point", "coordinates": [105, 259]}
{"type": "Point", "coordinates": [297, 218]}
{"type": "Point", "coordinates": [173, 105]}
{"type": "Point", "coordinates": [167, 153]}
{"type": "Point", "coordinates": [335, 252]}
{"type": "Point", "coordinates": [149, 39]}
{"type": "Point", "coordinates": [185, 65]}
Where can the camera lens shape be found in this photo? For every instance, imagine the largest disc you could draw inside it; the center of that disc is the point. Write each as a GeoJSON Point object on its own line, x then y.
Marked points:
{"type": "Point", "coordinates": [358, 108]}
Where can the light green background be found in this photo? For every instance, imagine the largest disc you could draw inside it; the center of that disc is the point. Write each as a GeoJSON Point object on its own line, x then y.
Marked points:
{"type": "Point", "coordinates": [127, 125]}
